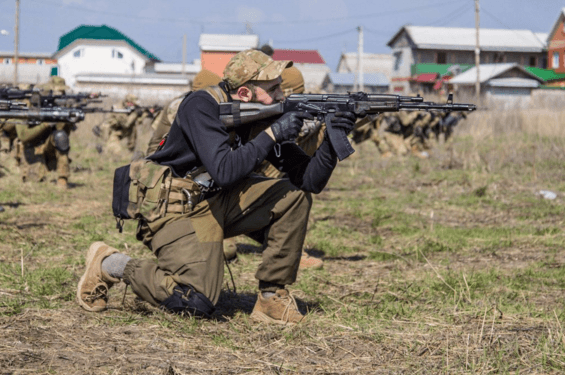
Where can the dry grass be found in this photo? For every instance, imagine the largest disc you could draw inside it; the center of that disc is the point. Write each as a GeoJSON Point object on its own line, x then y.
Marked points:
{"type": "Point", "coordinates": [446, 265]}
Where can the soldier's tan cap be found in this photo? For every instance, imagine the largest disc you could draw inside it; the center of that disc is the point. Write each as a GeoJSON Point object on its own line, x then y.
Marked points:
{"type": "Point", "coordinates": [292, 81]}
{"type": "Point", "coordinates": [252, 65]}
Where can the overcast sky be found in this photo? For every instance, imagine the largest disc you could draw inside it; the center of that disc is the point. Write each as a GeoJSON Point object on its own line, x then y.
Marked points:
{"type": "Point", "coordinates": [328, 26]}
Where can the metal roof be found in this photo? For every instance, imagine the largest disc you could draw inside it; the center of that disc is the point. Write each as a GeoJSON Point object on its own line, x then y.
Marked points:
{"type": "Point", "coordinates": [176, 68]}
{"type": "Point", "coordinates": [513, 82]}
{"type": "Point", "coordinates": [489, 72]}
{"type": "Point", "coordinates": [155, 79]}
{"type": "Point", "coordinates": [463, 39]}
{"type": "Point", "coordinates": [299, 56]}
{"type": "Point", "coordinates": [33, 55]}
{"type": "Point", "coordinates": [227, 42]}
{"type": "Point", "coordinates": [348, 79]}
{"type": "Point", "coordinates": [87, 32]}
{"type": "Point", "coordinates": [545, 74]}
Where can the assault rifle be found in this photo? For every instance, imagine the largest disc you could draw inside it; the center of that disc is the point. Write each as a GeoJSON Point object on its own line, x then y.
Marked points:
{"type": "Point", "coordinates": [74, 100]}
{"type": "Point", "coordinates": [18, 110]}
{"type": "Point", "coordinates": [324, 107]}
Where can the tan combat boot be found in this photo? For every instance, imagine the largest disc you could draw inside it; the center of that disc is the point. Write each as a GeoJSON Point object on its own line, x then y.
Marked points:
{"type": "Point", "coordinates": [93, 287]}
{"type": "Point", "coordinates": [280, 309]}
{"type": "Point", "coordinates": [62, 183]}
{"type": "Point", "coordinates": [308, 262]}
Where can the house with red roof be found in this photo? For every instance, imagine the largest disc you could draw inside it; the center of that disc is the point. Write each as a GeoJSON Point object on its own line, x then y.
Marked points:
{"type": "Point", "coordinates": [310, 63]}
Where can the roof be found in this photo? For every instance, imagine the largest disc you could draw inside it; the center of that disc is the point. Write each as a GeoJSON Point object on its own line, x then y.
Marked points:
{"type": "Point", "coordinates": [441, 69]}
{"type": "Point", "coordinates": [513, 82]}
{"type": "Point", "coordinates": [556, 23]}
{"type": "Point", "coordinates": [545, 74]}
{"type": "Point", "coordinates": [100, 33]}
{"type": "Point", "coordinates": [542, 37]}
{"type": "Point", "coordinates": [426, 77]}
{"type": "Point", "coordinates": [155, 79]}
{"type": "Point", "coordinates": [489, 72]}
{"type": "Point", "coordinates": [162, 68]}
{"type": "Point", "coordinates": [348, 79]}
{"type": "Point", "coordinates": [227, 42]}
{"type": "Point", "coordinates": [299, 56]}
{"type": "Point", "coordinates": [33, 55]}
{"type": "Point", "coordinates": [463, 39]}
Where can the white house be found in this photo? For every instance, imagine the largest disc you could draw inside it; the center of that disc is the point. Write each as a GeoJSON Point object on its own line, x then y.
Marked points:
{"type": "Point", "coordinates": [101, 58]}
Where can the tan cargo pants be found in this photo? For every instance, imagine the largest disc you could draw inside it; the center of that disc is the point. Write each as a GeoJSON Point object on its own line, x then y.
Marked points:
{"type": "Point", "coordinates": [189, 250]}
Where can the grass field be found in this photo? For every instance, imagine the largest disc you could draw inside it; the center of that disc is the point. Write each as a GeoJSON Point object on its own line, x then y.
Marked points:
{"type": "Point", "coordinates": [449, 265]}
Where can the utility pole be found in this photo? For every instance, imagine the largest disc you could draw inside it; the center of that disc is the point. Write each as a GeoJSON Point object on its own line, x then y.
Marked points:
{"type": "Point", "coordinates": [358, 84]}
{"type": "Point", "coordinates": [16, 42]}
{"type": "Point", "coordinates": [360, 59]}
{"type": "Point", "coordinates": [477, 49]}
{"type": "Point", "coordinates": [183, 55]}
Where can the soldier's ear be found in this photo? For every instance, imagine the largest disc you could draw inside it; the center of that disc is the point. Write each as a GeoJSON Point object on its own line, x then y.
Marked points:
{"type": "Point", "coordinates": [244, 94]}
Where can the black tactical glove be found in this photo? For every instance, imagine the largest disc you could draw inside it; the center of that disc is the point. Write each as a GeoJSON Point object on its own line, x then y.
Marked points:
{"type": "Point", "coordinates": [288, 126]}
{"type": "Point", "coordinates": [344, 120]}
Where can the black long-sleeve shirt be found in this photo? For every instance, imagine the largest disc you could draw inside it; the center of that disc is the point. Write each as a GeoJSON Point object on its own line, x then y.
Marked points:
{"type": "Point", "coordinates": [198, 137]}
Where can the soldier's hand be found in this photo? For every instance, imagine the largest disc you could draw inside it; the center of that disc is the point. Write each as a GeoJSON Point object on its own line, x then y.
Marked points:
{"type": "Point", "coordinates": [288, 126]}
{"type": "Point", "coordinates": [344, 120]}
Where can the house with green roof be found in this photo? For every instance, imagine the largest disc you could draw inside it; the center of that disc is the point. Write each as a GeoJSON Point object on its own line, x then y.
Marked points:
{"type": "Point", "coordinates": [104, 59]}
{"type": "Point", "coordinates": [100, 50]}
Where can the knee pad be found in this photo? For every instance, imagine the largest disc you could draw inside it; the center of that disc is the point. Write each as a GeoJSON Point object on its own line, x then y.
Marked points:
{"type": "Point", "coordinates": [185, 299]}
{"type": "Point", "coordinates": [61, 140]}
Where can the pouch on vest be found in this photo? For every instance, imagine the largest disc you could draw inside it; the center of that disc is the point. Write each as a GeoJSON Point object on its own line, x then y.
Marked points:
{"type": "Point", "coordinates": [150, 186]}
{"type": "Point", "coordinates": [140, 191]}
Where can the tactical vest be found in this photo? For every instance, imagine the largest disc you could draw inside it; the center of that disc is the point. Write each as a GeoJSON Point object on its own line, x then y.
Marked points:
{"type": "Point", "coordinates": [145, 190]}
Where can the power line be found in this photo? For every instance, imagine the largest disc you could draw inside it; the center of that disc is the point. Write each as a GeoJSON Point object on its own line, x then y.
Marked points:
{"type": "Point", "coordinates": [224, 22]}
{"type": "Point", "coordinates": [317, 38]}
{"type": "Point", "coordinates": [455, 13]}
{"type": "Point", "coordinates": [503, 24]}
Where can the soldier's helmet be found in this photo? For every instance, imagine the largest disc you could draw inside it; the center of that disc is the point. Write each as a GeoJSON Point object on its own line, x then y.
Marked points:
{"type": "Point", "coordinates": [131, 99]}
{"type": "Point", "coordinates": [252, 65]}
{"type": "Point", "coordinates": [205, 78]}
{"type": "Point", "coordinates": [292, 81]}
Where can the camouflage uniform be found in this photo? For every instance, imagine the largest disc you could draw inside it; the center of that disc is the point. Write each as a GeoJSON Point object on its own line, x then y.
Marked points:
{"type": "Point", "coordinates": [398, 127]}
{"type": "Point", "coordinates": [417, 141]}
{"type": "Point", "coordinates": [46, 145]}
{"type": "Point", "coordinates": [123, 126]}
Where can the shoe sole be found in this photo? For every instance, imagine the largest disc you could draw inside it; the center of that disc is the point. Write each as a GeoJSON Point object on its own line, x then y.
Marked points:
{"type": "Point", "coordinates": [89, 258]}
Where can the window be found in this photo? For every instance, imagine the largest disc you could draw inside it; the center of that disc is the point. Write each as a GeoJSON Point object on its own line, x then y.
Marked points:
{"type": "Point", "coordinates": [7, 61]}
{"type": "Point", "coordinates": [555, 60]}
{"type": "Point", "coordinates": [498, 57]}
{"type": "Point", "coordinates": [441, 58]}
{"type": "Point", "coordinates": [39, 62]}
{"type": "Point", "coordinates": [533, 61]}
{"type": "Point", "coordinates": [78, 53]}
{"type": "Point", "coordinates": [397, 60]}
{"type": "Point", "coordinates": [117, 54]}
